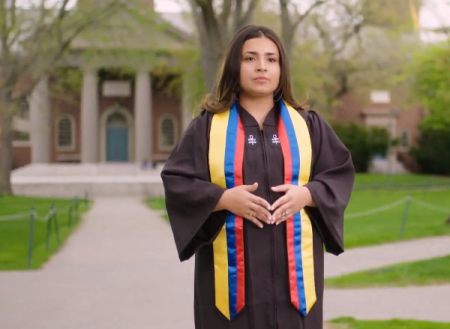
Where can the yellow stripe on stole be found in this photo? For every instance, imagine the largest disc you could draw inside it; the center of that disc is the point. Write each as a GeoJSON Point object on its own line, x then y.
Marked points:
{"type": "Point", "coordinates": [305, 150]}
{"type": "Point", "coordinates": [218, 139]}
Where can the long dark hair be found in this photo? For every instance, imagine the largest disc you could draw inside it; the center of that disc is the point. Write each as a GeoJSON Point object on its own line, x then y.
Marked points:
{"type": "Point", "coordinates": [222, 97]}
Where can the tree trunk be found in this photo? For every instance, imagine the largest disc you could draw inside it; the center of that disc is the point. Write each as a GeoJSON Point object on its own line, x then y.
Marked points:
{"type": "Point", "coordinates": [211, 59]}
{"type": "Point", "coordinates": [214, 31]}
{"type": "Point", "coordinates": [6, 143]}
{"type": "Point", "coordinates": [286, 28]}
{"type": "Point", "coordinates": [290, 23]}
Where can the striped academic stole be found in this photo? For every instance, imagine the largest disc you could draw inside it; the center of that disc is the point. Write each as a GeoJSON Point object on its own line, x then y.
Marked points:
{"type": "Point", "coordinates": [226, 154]}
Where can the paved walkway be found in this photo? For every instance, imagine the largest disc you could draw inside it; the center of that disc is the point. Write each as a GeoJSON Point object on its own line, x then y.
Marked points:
{"type": "Point", "coordinates": [120, 270]}
{"type": "Point", "coordinates": [354, 260]}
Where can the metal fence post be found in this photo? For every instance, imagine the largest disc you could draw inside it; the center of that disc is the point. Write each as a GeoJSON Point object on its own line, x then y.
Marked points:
{"type": "Point", "coordinates": [30, 242]}
{"type": "Point", "coordinates": [69, 221]}
{"type": "Point", "coordinates": [405, 216]}
{"type": "Point", "coordinates": [77, 203]}
{"type": "Point", "coordinates": [55, 219]}
{"type": "Point", "coordinates": [49, 231]}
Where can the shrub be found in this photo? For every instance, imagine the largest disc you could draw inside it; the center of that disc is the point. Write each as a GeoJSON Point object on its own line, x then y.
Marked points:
{"type": "Point", "coordinates": [363, 143]}
{"type": "Point", "coordinates": [433, 151]}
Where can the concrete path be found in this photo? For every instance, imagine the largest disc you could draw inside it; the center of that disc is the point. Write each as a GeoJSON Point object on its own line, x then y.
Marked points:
{"type": "Point", "coordinates": [419, 303]}
{"type": "Point", "coordinates": [120, 271]}
{"type": "Point", "coordinates": [358, 259]}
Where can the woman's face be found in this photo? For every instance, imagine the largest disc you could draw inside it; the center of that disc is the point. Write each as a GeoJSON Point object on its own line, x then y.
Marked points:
{"type": "Point", "coordinates": [260, 67]}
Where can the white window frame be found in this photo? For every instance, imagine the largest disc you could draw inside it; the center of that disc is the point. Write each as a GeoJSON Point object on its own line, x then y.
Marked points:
{"type": "Point", "coordinates": [73, 128]}
{"type": "Point", "coordinates": [160, 133]}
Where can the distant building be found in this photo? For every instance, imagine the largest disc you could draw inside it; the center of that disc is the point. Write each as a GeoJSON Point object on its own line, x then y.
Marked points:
{"type": "Point", "coordinates": [378, 109]}
{"type": "Point", "coordinates": [133, 118]}
{"type": "Point", "coordinates": [114, 117]}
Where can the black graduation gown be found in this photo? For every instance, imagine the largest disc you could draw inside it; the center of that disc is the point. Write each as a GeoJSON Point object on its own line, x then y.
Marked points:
{"type": "Point", "coordinates": [191, 199]}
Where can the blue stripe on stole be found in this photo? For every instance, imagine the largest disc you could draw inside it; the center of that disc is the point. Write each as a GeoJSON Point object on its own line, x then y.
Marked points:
{"type": "Point", "coordinates": [230, 152]}
{"type": "Point", "coordinates": [295, 154]}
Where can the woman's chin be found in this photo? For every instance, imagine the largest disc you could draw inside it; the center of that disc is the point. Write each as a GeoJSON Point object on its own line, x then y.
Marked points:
{"type": "Point", "coordinates": [260, 93]}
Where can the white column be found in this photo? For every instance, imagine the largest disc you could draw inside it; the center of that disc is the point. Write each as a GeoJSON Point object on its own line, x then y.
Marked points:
{"type": "Point", "coordinates": [40, 123]}
{"type": "Point", "coordinates": [143, 116]}
{"type": "Point", "coordinates": [89, 118]}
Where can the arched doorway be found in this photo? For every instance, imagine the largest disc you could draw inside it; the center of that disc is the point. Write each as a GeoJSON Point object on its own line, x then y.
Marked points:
{"type": "Point", "coordinates": [117, 138]}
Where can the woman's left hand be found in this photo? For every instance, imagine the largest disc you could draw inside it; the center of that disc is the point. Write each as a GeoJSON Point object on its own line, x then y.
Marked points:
{"type": "Point", "coordinates": [295, 199]}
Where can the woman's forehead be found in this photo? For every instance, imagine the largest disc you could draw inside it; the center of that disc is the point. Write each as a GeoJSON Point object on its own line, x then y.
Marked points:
{"type": "Point", "coordinates": [260, 46]}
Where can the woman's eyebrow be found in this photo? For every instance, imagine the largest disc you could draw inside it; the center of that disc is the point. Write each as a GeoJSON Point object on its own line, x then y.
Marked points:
{"type": "Point", "coordinates": [256, 53]}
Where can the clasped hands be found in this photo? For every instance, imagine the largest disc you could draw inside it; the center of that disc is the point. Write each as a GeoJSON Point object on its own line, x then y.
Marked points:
{"type": "Point", "coordinates": [242, 202]}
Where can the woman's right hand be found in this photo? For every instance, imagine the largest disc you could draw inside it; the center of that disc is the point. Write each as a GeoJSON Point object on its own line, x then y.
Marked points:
{"type": "Point", "coordinates": [240, 201]}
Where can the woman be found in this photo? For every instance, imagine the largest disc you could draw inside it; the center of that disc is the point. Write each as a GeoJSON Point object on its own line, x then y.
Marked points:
{"type": "Point", "coordinates": [254, 189]}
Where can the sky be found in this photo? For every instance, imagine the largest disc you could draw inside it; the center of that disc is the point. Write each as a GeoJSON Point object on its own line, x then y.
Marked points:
{"type": "Point", "coordinates": [435, 14]}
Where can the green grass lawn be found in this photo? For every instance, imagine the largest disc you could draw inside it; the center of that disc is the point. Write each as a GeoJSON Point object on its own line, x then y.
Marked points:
{"type": "Point", "coordinates": [427, 272]}
{"type": "Point", "coordinates": [399, 181]}
{"type": "Point", "coordinates": [371, 192]}
{"type": "Point", "coordinates": [15, 234]}
{"type": "Point", "coordinates": [350, 323]}
{"type": "Point", "coordinates": [385, 226]}
{"type": "Point", "coordinates": [157, 204]}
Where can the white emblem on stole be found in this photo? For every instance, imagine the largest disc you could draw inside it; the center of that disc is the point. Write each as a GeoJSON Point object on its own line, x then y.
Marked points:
{"type": "Point", "coordinates": [275, 140]}
{"type": "Point", "coordinates": [251, 140]}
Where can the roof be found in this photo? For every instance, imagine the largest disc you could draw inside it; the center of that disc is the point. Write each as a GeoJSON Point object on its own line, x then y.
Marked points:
{"type": "Point", "coordinates": [138, 30]}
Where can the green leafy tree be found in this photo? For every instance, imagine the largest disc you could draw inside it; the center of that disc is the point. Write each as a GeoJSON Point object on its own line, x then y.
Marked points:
{"type": "Point", "coordinates": [431, 84]}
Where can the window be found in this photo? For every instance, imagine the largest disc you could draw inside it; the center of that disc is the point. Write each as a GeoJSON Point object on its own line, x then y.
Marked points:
{"type": "Point", "coordinates": [23, 111]}
{"type": "Point", "coordinates": [167, 132]}
{"type": "Point", "coordinates": [117, 119]}
{"type": "Point", "coordinates": [405, 140]}
{"type": "Point", "coordinates": [66, 132]}
{"type": "Point", "coordinates": [21, 136]}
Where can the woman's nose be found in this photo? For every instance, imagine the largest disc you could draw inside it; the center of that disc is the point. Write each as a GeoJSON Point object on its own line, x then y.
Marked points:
{"type": "Point", "coordinates": [261, 66]}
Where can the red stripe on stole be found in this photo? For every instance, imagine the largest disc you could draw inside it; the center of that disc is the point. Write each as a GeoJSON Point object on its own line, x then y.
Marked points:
{"type": "Point", "coordinates": [239, 225]}
{"type": "Point", "coordinates": [285, 146]}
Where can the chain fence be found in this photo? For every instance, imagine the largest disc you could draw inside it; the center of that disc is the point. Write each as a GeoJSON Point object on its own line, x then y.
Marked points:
{"type": "Point", "coordinates": [71, 210]}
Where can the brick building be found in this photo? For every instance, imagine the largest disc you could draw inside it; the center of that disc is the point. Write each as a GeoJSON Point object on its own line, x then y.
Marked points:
{"type": "Point", "coordinates": [112, 117]}
{"type": "Point", "coordinates": [133, 118]}
{"type": "Point", "coordinates": [378, 109]}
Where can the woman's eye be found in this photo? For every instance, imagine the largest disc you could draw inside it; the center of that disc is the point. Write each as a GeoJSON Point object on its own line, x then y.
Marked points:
{"type": "Point", "coordinates": [248, 58]}
{"type": "Point", "coordinates": [273, 60]}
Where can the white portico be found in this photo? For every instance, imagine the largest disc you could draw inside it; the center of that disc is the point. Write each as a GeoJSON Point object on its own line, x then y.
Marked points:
{"type": "Point", "coordinates": [114, 121]}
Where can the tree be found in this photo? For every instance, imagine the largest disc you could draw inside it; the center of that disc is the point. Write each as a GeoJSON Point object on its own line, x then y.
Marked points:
{"type": "Point", "coordinates": [431, 83]}
{"type": "Point", "coordinates": [290, 22]}
{"type": "Point", "coordinates": [353, 46]}
{"type": "Point", "coordinates": [32, 40]}
{"type": "Point", "coordinates": [216, 24]}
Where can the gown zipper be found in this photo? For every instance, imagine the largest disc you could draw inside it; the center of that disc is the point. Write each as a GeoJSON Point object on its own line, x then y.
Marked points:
{"type": "Point", "coordinates": [272, 236]}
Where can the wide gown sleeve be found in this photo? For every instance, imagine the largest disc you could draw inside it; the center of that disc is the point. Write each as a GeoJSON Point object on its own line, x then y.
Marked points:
{"type": "Point", "coordinates": [189, 194]}
{"type": "Point", "coordinates": [331, 183]}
